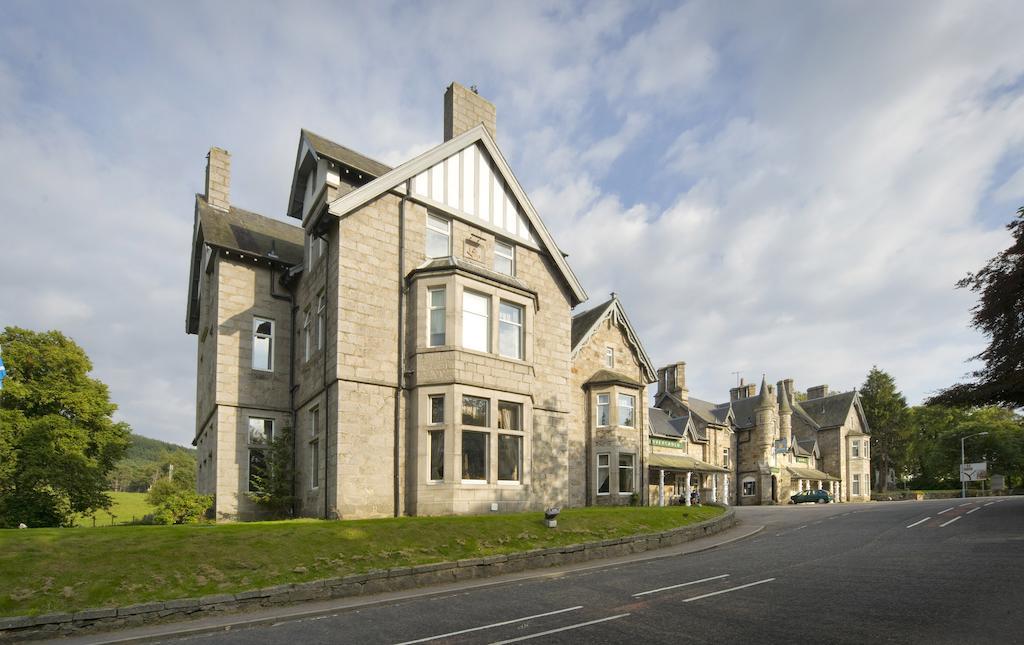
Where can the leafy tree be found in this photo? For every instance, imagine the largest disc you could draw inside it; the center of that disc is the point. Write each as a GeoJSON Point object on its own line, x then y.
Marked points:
{"type": "Point", "coordinates": [274, 490]}
{"type": "Point", "coordinates": [886, 412]}
{"type": "Point", "coordinates": [177, 503]}
{"type": "Point", "coordinates": [934, 450]}
{"type": "Point", "coordinates": [1000, 315]}
{"type": "Point", "coordinates": [57, 438]}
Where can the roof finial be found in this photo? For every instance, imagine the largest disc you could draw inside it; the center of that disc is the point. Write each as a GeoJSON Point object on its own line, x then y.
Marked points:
{"type": "Point", "coordinates": [614, 295]}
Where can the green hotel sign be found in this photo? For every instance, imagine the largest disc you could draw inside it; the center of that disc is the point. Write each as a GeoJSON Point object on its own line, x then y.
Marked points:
{"type": "Point", "coordinates": [667, 443]}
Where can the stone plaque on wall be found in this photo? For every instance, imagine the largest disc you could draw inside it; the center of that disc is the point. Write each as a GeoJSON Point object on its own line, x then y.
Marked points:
{"type": "Point", "coordinates": [473, 249]}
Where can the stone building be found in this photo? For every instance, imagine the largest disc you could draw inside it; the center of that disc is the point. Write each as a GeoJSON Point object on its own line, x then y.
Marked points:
{"type": "Point", "coordinates": [771, 444]}
{"type": "Point", "coordinates": [412, 329]}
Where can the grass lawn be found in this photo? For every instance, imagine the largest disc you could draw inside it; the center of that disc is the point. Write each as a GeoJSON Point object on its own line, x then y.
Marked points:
{"type": "Point", "coordinates": [47, 570]}
{"type": "Point", "coordinates": [126, 506]}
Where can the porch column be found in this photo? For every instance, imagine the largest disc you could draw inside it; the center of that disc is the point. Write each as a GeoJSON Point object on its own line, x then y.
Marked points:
{"type": "Point", "coordinates": [661, 487]}
{"type": "Point", "coordinates": [714, 487]}
{"type": "Point", "coordinates": [799, 485]}
{"type": "Point", "coordinates": [725, 489]}
{"type": "Point", "coordinates": [686, 491]}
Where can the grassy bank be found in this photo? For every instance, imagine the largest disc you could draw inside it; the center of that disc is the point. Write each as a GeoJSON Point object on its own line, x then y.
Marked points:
{"type": "Point", "coordinates": [127, 507]}
{"type": "Point", "coordinates": [47, 570]}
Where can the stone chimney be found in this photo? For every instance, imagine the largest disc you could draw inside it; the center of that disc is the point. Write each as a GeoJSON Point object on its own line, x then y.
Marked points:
{"type": "Point", "coordinates": [743, 391]}
{"type": "Point", "coordinates": [817, 392]}
{"type": "Point", "coordinates": [218, 178]}
{"type": "Point", "coordinates": [464, 109]}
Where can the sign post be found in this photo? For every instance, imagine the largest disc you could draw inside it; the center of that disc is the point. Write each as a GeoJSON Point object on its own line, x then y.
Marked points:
{"type": "Point", "coordinates": [963, 482]}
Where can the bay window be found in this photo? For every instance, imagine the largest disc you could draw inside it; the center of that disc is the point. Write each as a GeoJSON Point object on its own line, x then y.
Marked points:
{"type": "Point", "coordinates": [474, 455]}
{"type": "Point", "coordinates": [476, 311]}
{"type": "Point", "coordinates": [510, 330]}
{"type": "Point", "coordinates": [627, 403]}
{"type": "Point", "coordinates": [436, 333]}
{"type": "Point", "coordinates": [603, 404]}
{"type": "Point", "coordinates": [603, 483]}
{"type": "Point", "coordinates": [626, 469]}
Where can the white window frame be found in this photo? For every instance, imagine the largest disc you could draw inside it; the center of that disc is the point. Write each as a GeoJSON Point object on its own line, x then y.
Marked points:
{"type": "Point", "coordinates": [321, 319]}
{"type": "Point", "coordinates": [608, 471]}
{"type": "Point", "coordinates": [632, 473]}
{"type": "Point", "coordinates": [434, 225]}
{"type": "Point", "coordinates": [855, 484]}
{"type": "Point", "coordinates": [256, 321]}
{"type": "Point", "coordinates": [431, 308]}
{"type": "Point", "coordinates": [609, 357]}
{"type": "Point", "coordinates": [505, 251]}
{"type": "Point", "coordinates": [608, 410]}
{"type": "Point", "coordinates": [725, 457]}
{"type": "Point", "coordinates": [619, 407]}
{"type": "Point", "coordinates": [431, 434]}
{"type": "Point", "coordinates": [519, 466]}
{"type": "Point", "coordinates": [486, 433]}
{"type": "Point", "coordinates": [486, 317]}
{"type": "Point", "coordinates": [307, 341]}
{"type": "Point", "coordinates": [514, 327]}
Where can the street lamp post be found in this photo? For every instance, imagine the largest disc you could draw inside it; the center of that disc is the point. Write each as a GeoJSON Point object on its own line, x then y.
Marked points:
{"type": "Point", "coordinates": [963, 482]}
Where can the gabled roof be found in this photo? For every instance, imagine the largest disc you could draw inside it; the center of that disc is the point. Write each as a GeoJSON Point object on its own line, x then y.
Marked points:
{"type": "Point", "coordinates": [743, 410]}
{"type": "Point", "coordinates": [806, 447]}
{"type": "Point", "coordinates": [608, 376]}
{"type": "Point", "coordinates": [585, 324]}
{"type": "Point", "coordinates": [407, 171]}
{"type": "Point", "coordinates": [711, 412]}
{"type": "Point", "coordinates": [244, 232]}
{"type": "Point", "coordinates": [659, 420]}
{"type": "Point", "coordinates": [829, 411]}
{"type": "Point", "coordinates": [311, 147]}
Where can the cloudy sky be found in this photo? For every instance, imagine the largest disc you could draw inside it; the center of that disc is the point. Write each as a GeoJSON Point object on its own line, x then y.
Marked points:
{"type": "Point", "coordinates": [790, 188]}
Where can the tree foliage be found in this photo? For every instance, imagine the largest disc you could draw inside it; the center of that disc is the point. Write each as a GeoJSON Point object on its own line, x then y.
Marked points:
{"type": "Point", "coordinates": [177, 502]}
{"type": "Point", "coordinates": [886, 411]}
{"type": "Point", "coordinates": [999, 314]}
{"type": "Point", "coordinates": [58, 440]}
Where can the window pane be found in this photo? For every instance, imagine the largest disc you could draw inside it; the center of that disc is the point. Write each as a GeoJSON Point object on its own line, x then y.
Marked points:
{"type": "Point", "coordinates": [504, 258]}
{"type": "Point", "coordinates": [438, 236]}
{"type": "Point", "coordinates": [609, 357]}
{"type": "Point", "coordinates": [263, 327]}
{"type": "Point", "coordinates": [437, 409]}
{"type": "Point", "coordinates": [625, 473]}
{"type": "Point", "coordinates": [475, 321]}
{"type": "Point", "coordinates": [437, 455]}
{"type": "Point", "coordinates": [602, 474]}
{"type": "Point", "coordinates": [626, 403]}
{"type": "Point", "coordinates": [437, 317]}
{"type": "Point", "coordinates": [475, 411]}
{"type": "Point", "coordinates": [474, 455]}
{"type": "Point", "coordinates": [509, 457]}
{"type": "Point", "coordinates": [510, 330]}
{"type": "Point", "coordinates": [602, 409]}
{"type": "Point", "coordinates": [510, 416]}
{"type": "Point", "coordinates": [314, 461]}
{"type": "Point", "coordinates": [261, 431]}
{"type": "Point", "coordinates": [257, 470]}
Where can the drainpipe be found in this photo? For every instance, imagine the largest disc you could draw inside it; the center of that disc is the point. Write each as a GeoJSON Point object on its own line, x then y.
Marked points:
{"type": "Point", "coordinates": [400, 376]}
{"type": "Point", "coordinates": [323, 357]}
{"type": "Point", "coordinates": [293, 309]}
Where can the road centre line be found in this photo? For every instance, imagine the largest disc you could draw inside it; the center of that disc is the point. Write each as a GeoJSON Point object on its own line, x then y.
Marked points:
{"type": "Point", "coordinates": [476, 629]}
{"type": "Point", "coordinates": [685, 584]}
{"type": "Point", "coordinates": [919, 522]}
{"type": "Point", "coordinates": [560, 629]}
{"type": "Point", "coordinates": [715, 593]}
{"type": "Point", "coordinates": [946, 511]}
{"type": "Point", "coordinates": [951, 521]}
{"type": "Point", "coordinates": [966, 504]}
{"type": "Point", "coordinates": [972, 510]}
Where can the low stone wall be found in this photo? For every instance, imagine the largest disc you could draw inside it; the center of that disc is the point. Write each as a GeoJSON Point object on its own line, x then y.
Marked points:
{"type": "Point", "coordinates": [378, 581]}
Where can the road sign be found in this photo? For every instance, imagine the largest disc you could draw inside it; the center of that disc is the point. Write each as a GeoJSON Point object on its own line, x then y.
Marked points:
{"type": "Point", "coordinates": [974, 472]}
{"type": "Point", "coordinates": [998, 482]}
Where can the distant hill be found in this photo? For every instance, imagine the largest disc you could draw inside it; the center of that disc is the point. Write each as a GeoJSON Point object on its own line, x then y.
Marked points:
{"type": "Point", "coordinates": [146, 449]}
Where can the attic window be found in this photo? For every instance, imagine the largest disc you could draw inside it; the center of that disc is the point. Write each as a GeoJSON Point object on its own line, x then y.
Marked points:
{"type": "Point", "coordinates": [439, 234]}
{"type": "Point", "coordinates": [504, 258]}
{"type": "Point", "coordinates": [609, 357]}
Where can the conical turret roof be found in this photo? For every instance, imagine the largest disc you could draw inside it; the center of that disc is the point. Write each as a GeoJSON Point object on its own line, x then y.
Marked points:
{"type": "Point", "coordinates": [784, 406]}
{"type": "Point", "coordinates": [764, 399]}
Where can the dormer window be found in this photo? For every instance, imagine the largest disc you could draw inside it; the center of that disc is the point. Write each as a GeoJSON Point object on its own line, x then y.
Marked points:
{"type": "Point", "coordinates": [504, 258]}
{"type": "Point", "coordinates": [439, 237]}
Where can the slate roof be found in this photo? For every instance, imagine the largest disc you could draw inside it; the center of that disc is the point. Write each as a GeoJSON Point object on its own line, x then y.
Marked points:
{"type": "Point", "coordinates": [451, 262]}
{"type": "Point", "coordinates": [743, 411]}
{"type": "Point", "coordinates": [609, 376]}
{"type": "Point", "coordinates": [711, 412]}
{"type": "Point", "coordinates": [251, 233]}
{"type": "Point", "coordinates": [683, 463]}
{"type": "Point", "coordinates": [661, 423]}
{"type": "Point", "coordinates": [829, 411]}
{"type": "Point", "coordinates": [582, 322]}
{"type": "Point", "coordinates": [327, 148]}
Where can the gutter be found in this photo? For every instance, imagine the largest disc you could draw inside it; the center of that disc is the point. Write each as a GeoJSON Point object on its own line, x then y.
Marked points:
{"type": "Point", "coordinates": [400, 376]}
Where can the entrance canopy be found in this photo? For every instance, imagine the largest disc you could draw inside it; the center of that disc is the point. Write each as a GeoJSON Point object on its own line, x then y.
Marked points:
{"type": "Point", "coordinates": [683, 463]}
{"type": "Point", "coordinates": [811, 473]}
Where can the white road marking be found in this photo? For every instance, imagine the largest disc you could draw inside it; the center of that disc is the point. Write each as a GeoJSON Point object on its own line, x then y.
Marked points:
{"type": "Point", "coordinates": [715, 593]}
{"type": "Point", "coordinates": [800, 527]}
{"type": "Point", "coordinates": [946, 511]}
{"type": "Point", "coordinates": [966, 504]}
{"type": "Point", "coordinates": [560, 629]}
{"type": "Point", "coordinates": [476, 629]}
{"type": "Point", "coordinates": [972, 510]}
{"type": "Point", "coordinates": [685, 584]}
{"type": "Point", "coordinates": [990, 504]}
{"type": "Point", "coordinates": [919, 522]}
{"type": "Point", "coordinates": [951, 521]}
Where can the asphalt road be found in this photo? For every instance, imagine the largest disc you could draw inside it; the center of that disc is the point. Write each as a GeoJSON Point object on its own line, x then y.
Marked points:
{"type": "Point", "coordinates": [900, 572]}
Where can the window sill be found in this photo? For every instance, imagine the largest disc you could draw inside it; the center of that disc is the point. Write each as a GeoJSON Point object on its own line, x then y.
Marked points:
{"type": "Point", "coordinates": [475, 482]}
{"type": "Point", "coordinates": [509, 482]}
{"type": "Point", "coordinates": [603, 494]}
